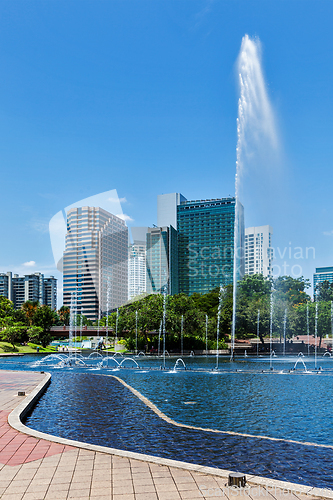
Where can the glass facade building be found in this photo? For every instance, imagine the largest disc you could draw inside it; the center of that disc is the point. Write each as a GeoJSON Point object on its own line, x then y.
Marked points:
{"type": "Point", "coordinates": [206, 230]}
{"type": "Point", "coordinates": [162, 260]}
{"type": "Point", "coordinates": [322, 274]}
{"type": "Point", "coordinates": [95, 262]}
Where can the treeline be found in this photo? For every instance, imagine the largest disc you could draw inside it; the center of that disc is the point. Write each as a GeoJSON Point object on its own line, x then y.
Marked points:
{"type": "Point", "coordinates": [291, 305]}
{"type": "Point", "coordinates": [31, 323]}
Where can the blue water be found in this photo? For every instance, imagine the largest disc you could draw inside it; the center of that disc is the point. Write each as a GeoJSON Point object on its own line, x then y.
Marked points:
{"type": "Point", "coordinates": [80, 404]}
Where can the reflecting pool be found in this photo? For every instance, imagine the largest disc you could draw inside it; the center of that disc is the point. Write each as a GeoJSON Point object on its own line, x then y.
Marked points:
{"type": "Point", "coordinates": [244, 396]}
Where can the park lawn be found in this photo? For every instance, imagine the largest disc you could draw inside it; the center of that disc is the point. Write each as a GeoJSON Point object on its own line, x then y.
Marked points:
{"type": "Point", "coordinates": [6, 347]}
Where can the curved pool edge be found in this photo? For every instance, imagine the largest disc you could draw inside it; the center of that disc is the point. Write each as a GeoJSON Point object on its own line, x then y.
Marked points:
{"type": "Point", "coordinates": [14, 420]}
{"type": "Point", "coordinates": [169, 420]}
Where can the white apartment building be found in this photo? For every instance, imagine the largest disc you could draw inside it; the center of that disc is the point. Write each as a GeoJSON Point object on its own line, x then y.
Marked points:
{"type": "Point", "coordinates": [258, 250]}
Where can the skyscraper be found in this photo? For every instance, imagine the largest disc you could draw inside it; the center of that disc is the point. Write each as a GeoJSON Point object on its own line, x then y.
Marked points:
{"type": "Point", "coordinates": [167, 209]}
{"type": "Point", "coordinates": [95, 261]}
{"type": "Point", "coordinates": [322, 274]}
{"type": "Point", "coordinates": [137, 262]}
{"type": "Point", "coordinates": [206, 231]}
{"type": "Point", "coordinates": [162, 260]}
{"type": "Point", "coordinates": [258, 250]}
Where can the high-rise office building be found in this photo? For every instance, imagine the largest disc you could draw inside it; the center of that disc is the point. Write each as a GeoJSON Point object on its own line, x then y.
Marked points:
{"type": "Point", "coordinates": [167, 209]}
{"type": "Point", "coordinates": [137, 262]}
{"type": "Point", "coordinates": [32, 287]}
{"type": "Point", "coordinates": [206, 230]}
{"type": "Point", "coordinates": [322, 274]}
{"type": "Point", "coordinates": [162, 260]}
{"type": "Point", "coordinates": [95, 261]}
{"type": "Point", "coordinates": [258, 250]}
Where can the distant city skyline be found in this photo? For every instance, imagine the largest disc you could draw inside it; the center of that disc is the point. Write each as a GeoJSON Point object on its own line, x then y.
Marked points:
{"type": "Point", "coordinates": [142, 97]}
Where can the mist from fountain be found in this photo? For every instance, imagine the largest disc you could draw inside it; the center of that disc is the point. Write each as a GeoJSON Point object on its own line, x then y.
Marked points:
{"type": "Point", "coordinates": [255, 129]}
{"type": "Point", "coordinates": [218, 327]}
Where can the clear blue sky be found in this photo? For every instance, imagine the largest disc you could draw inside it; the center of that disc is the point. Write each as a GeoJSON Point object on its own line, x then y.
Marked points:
{"type": "Point", "coordinates": [141, 96]}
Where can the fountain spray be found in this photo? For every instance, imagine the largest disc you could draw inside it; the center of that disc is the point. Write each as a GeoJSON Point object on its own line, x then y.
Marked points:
{"type": "Point", "coordinates": [159, 338]}
{"type": "Point", "coordinates": [284, 331]}
{"type": "Point", "coordinates": [271, 332]}
{"type": "Point", "coordinates": [206, 334]}
{"type": "Point", "coordinates": [218, 327]}
{"type": "Point", "coordinates": [307, 326]}
{"type": "Point", "coordinates": [332, 326]}
{"type": "Point", "coordinates": [107, 315]}
{"type": "Point", "coordinates": [182, 335]}
{"type": "Point", "coordinates": [116, 339]}
{"type": "Point", "coordinates": [316, 329]}
{"type": "Point", "coordinates": [136, 331]}
{"type": "Point", "coordinates": [164, 316]}
{"type": "Point", "coordinates": [255, 129]}
{"type": "Point", "coordinates": [258, 331]}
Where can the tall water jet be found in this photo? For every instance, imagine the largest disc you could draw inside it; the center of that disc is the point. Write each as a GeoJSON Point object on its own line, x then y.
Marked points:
{"type": "Point", "coordinates": [307, 326]}
{"type": "Point", "coordinates": [136, 332]}
{"type": "Point", "coordinates": [284, 331]}
{"type": "Point", "coordinates": [81, 327]}
{"type": "Point", "coordinates": [206, 334]}
{"type": "Point", "coordinates": [164, 318]}
{"type": "Point", "coordinates": [159, 338]}
{"type": "Point", "coordinates": [332, 326]}
{"type": "Point", "coordinates": [271, 331]}
{"type": "Point", "coordinates": [316, 328]}
{"type": "Point", "coordinates": [71, 320]}
{"type": "Point", "coordinates": [255, 131]}
{"type": "Point", "coordinates": [107, 314]}
{"type": "Point", "coordinates": [116, 338]}
{"type": "Point", "coordinates": [218, 327]}
{"type": "Point", "coordinates": [182, 335]}
{"type": "Point", "coordinates": [258, 331]}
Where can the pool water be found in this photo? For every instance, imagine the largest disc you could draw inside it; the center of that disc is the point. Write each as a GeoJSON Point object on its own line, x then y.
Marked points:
{"type": "Point", "coordinates": [244, 396]}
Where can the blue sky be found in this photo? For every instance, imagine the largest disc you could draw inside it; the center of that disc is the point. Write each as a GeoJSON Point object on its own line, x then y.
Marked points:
{"type": "Point", "coordinates": [141, 96]}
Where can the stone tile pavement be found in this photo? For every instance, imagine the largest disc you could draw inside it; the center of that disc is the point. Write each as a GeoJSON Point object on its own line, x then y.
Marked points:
{"type": "Point", "coordinates": [38, 469]}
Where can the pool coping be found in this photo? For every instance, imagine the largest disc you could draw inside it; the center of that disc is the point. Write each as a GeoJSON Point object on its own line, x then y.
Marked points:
{"type": "Point", "coordinates": [14, 420]}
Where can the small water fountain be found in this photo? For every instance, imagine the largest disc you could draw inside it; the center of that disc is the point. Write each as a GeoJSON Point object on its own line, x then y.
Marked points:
{"type": "Point", "coordinates": [300, 360]}
{"type": "Point", "coordinates": [179, 361]}
{"type": "Point", "coordinates": [128, 359]}
{"type": "Point", "coordinates": [107, 360]}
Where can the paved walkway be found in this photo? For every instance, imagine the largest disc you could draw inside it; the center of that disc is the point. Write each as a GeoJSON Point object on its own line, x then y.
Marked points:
{"type": "Point", "coordinates": [38, 469]}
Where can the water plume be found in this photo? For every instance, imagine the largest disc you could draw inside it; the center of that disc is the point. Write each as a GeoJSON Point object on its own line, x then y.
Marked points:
{"type": "Point", "coordinates": [256, 136]}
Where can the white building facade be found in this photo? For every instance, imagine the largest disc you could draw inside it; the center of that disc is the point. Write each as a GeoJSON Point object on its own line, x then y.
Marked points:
{"type": "Point", "coordinates": [258, 250]}
{"type": "Point", "coordinates": [95, 261]}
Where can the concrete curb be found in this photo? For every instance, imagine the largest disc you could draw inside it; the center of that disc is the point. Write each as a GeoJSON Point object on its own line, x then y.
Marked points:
{"type": "Point", "coordinates": [14, 420]}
